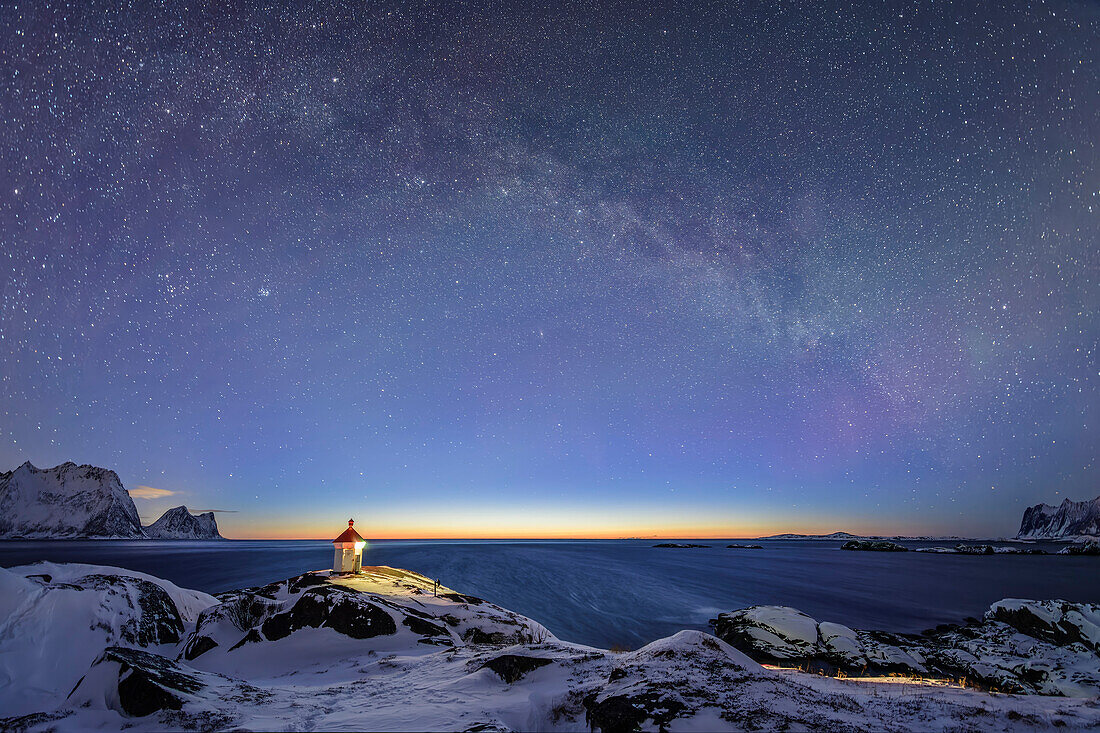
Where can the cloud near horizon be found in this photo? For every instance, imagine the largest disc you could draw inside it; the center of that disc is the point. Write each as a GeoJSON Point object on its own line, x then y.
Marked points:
{"type": "Point", "coordinates": [148, 492]}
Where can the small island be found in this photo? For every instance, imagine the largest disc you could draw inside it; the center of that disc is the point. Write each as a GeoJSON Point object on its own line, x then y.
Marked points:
{"type": "Point", "coordinates": [874, 546]}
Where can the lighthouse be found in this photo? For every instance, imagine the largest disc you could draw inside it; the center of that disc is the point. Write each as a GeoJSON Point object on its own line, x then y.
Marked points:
{"type": "Point", "coordinates": [349, 551]}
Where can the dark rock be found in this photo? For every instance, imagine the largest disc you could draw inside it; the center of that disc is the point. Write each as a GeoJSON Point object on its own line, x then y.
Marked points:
{"type": "Point", "coordinates": [424, 628]}
{"type": "Point", "coordinates": [156, 619]}
{"type": "Point", "coordinates": [307, 580]}
{"type": "Point", "coordinates": [309, 610]}
{"type": "Point", "coordinates": [139, 696]}
{"type": "Point", "coordinates": [616, 674]}
{"type": "Point", "coordinates": [1059, 631]}
{"type": "Point", "coordinates": [34, 721]}
{"type": "Point", "coordinates": [197, 646]}
{"type": "Point", "coordinates": [1084, 548]}
{"type": "Point", "coordinates": [873, 546]}
{"type": "Point", "coordinates": [340, 609]}
{"type": "Point", "coordinates": [277, 627]}
{"type": "Point", "coordinates": [475, 635]}
{"type": "Point", "coordinates": [359, 619]}
{"type": "Point", "coordinates": [252, 637]}
{"type": "Point", "coordinates": [148, 682]}
{"type": "Point", "coordinates": [43, 577]}
{"type": "Point", "coordinates": [626, 713]}
{"type": "Point", "coordinates": [745, 547]}
{"type": "Point", "coordinates": [512, 667]}
{"type": "Point", "coordinates": [974, 549]}
{"type": "Point", "coordinates": [987, 653]}
{"type": "Point", "coordinates": [462, 598]}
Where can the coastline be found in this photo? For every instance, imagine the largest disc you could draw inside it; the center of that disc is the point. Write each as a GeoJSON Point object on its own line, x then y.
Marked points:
{"type": "Point", "coordinates": [424, 658]}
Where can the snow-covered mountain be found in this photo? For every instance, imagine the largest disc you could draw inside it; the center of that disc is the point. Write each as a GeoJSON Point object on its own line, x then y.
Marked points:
{"type": "Point", "coordinates": [1068, 519]}
{"type": "Point", "coordinates": [180, 524]}
{"type": "Point", "coordinates": [830, 536]}
{"type": "Point", "coordinates": [65, 501]}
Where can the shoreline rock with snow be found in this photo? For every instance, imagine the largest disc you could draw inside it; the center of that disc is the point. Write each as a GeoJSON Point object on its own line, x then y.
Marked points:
{"type": "Point", "coordinates": [983, 550]}
{"type": "Point", "coordinates": [1019, 646]}
{"type": "Point", "coordinates": [87, 647]}
{"type": "Point", "coordinates": [873, 546]}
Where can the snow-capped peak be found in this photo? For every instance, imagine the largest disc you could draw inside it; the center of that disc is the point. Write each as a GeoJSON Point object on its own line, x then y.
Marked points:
{"type": "Point", "coordinates": [178, 523]}
{"type": "Point", "coordinates": [66, 501]}
{"type": "Point", "coordinates": [1068, 519]}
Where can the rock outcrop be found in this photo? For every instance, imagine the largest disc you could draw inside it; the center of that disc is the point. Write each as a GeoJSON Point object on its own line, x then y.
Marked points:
{"type": "Point", "coordinates": [873, 546]}
{"type": "Point", "coordinates": [1019, 646]}
{"type": "Point", "coordinates": [983, 550]}
{"type": "Point", "coordinates": [1082, 548]}
{"type": "Point", "coordinates": [86, 647]}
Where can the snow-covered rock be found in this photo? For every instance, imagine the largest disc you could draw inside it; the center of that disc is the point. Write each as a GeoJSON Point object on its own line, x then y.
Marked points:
{"type": "Point", "coordinates": [1068, 519]}
{"type": "Point", "coordinates": [983, 550]}
{"type": "Point", "coordinates": [179, 523]}
{"type": "Point", "coordinates": [1020, 646]}
{"type": "Point", "coordinates": [830, 536]}
{"type": "Point", "coordinates": [58, 618]}
{"type": "Point", "coordinates": [87, 648]}
{"type": "Point", "coordinates": [65, 501]}
{"type": "Point", "coordinates": [1081, 548]}
{"type": "Point", "coordinates": [873, 546]}
{"type": "Point", "coordinates": [327, 610]}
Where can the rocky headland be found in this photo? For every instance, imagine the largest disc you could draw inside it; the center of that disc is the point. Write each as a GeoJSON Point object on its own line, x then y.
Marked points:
{"type": "Point", "coordinates": [86, 647]}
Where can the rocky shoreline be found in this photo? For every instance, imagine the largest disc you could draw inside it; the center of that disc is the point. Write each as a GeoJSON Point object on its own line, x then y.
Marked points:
{"type": "Point", "coordinates": [88, 647]}
{"type": "Point", "coordinates": [1078, 548]}
{"type": "Point", "coordinates": [1018, 646]}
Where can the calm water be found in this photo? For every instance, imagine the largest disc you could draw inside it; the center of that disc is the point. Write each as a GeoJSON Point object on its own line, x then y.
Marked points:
{"type": "Point", "coordinates": [627, 592]}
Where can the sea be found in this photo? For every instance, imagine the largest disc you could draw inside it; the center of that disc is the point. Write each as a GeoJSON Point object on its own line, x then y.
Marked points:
{"type": "Point", "coordinates": [626, 593]}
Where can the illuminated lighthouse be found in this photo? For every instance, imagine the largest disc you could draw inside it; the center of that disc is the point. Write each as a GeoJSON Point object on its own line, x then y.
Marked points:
{"type": "Point", "coordinates": [349, 551]}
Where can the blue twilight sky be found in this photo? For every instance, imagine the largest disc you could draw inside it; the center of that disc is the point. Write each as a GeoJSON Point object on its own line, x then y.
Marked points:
{"type": "Point", "coordinates": [478, 269]}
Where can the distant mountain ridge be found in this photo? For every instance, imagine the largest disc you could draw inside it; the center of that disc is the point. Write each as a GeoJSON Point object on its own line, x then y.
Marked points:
{"type": "Point", "coordinates": [830, 536]}
{"type": "Point", "coordinates": [179, 523]}
{"type": "Point", "coordinates": [85, 502]}
{"type": "Point", "coordinates": [850, 536]}
{"type": "Point", "coordinates": [1068, 519]}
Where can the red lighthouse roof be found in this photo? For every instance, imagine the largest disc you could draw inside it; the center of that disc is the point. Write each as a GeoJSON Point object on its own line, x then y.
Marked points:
{"type": "Point", "coordinates": [349, 535]}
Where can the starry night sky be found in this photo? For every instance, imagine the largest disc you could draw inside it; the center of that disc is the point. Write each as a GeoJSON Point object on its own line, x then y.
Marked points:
{"type": "Point", "coordinates": [603, 269]}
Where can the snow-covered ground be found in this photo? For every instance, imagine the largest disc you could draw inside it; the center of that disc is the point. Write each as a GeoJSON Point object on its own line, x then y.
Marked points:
{"type": "Point", "coordinates": [97, 648]}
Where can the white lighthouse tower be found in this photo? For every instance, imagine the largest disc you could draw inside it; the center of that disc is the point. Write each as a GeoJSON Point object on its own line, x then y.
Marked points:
{"type": "Point", "coordinates": [349, 551]}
